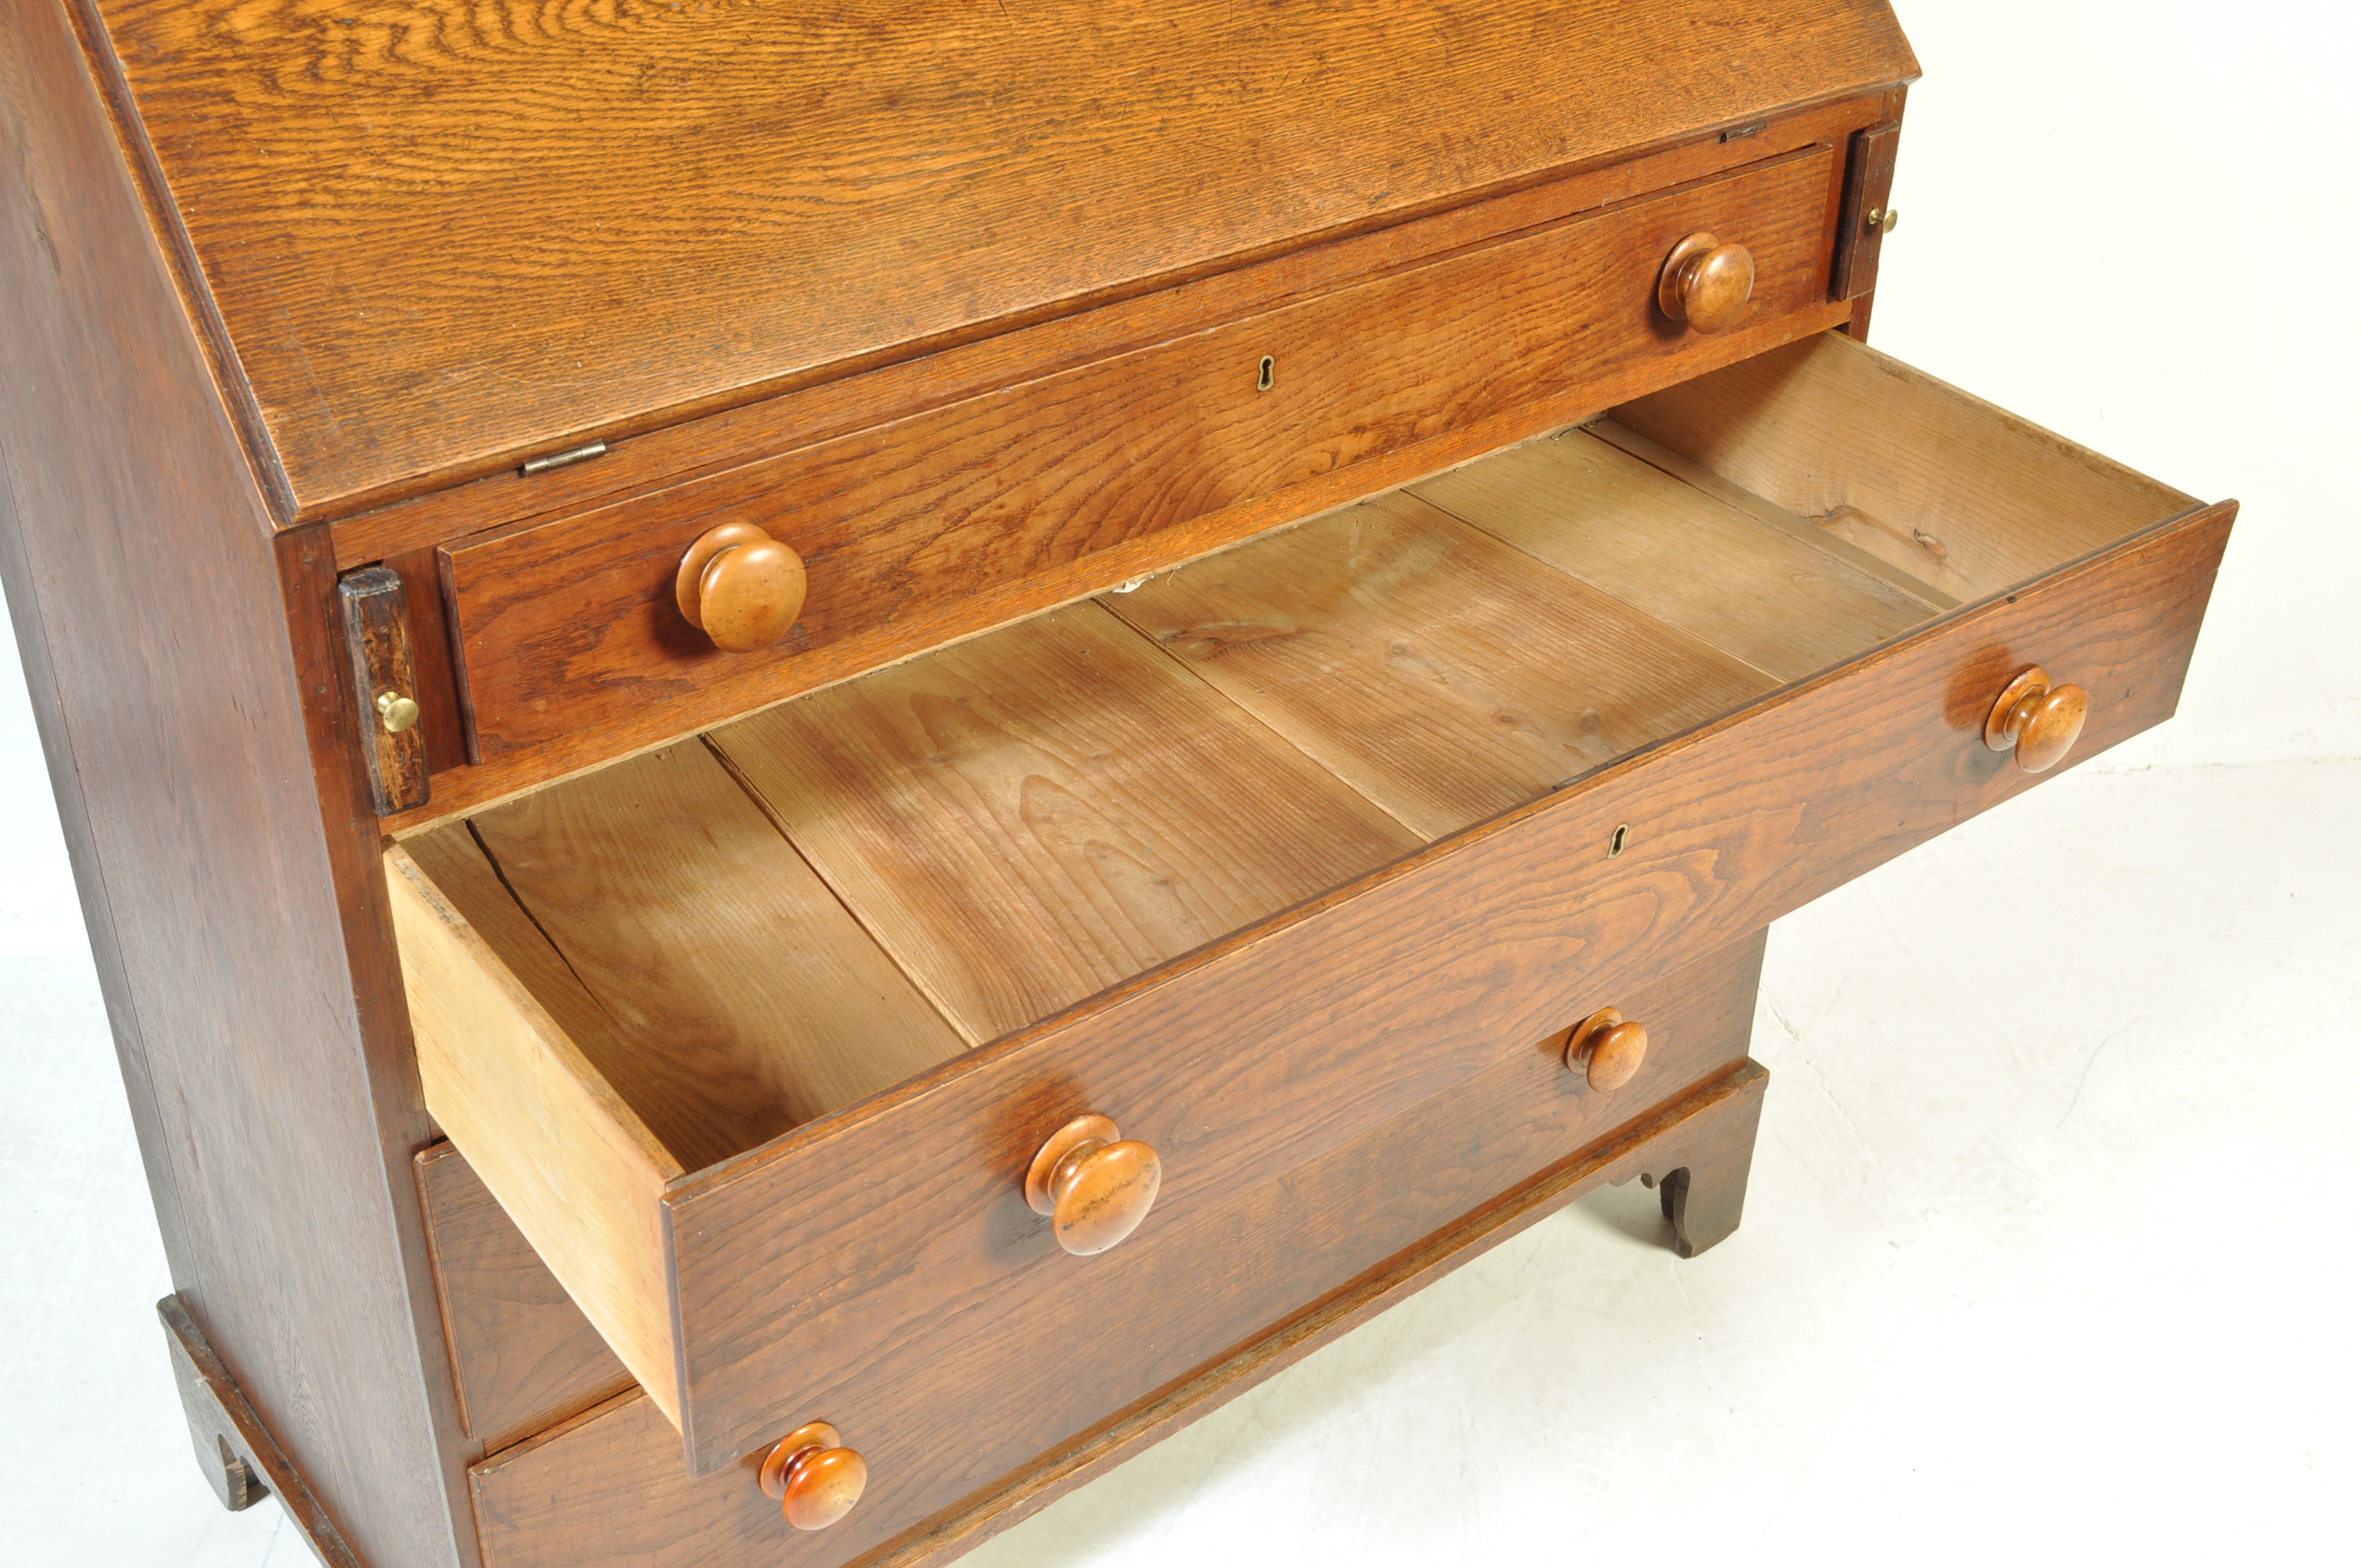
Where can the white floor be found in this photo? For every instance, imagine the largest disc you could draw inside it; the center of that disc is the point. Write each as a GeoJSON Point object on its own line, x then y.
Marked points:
{"type": "Point", "coordinates": [2049, 1257]}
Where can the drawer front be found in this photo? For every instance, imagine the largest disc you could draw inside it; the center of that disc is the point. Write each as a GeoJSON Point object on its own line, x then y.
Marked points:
{"type": "Point", "coordinates": [523, 1354]}
{"type": "Point", "coordinates": [868, 1237]}
{"type": "Point", "coordinates": [950, 1413]}
{"type": "Point", "coordinates": [979, 512]}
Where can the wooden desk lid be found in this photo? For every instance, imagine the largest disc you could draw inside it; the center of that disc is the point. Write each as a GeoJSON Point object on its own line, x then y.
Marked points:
{"type": "Point", "coordinates": [445, 235]}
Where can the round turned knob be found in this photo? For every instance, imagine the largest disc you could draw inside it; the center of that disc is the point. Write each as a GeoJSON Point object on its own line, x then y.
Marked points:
{"type": "Point", "coordinates": [1096, 1185]}
{"type": "Point", "coordinates": [816, 1480]}
{"type": "Point", "coordinates": [2039, 721]}
{"type": "Point", "coordinates": [1607, 1049]}
{"type": "Point", "coordinates": [396, 712]}
{"type": "Point", "coordinates": [1705, 283]}
{"type": "Point", "coordinates": [739, 587]}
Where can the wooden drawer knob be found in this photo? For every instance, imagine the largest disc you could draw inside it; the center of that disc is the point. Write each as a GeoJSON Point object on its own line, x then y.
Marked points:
{"type": "Point", "coordinates": [816, 1479]}
{"type": "Point", "coordinates": [739, 587]}
{"type": "Point", "coordinates": [2039, 721]}
{"type": "Point", "coordinates": [1607, 1049]}
{"type": "Point", "coordinates": [1705, 283]}
{"type": "Point", "coordinates": [1096, 1185]}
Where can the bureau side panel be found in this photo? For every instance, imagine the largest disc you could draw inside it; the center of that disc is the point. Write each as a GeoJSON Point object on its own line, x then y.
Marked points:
{"type": "Point", "coordinates": [243, 988]}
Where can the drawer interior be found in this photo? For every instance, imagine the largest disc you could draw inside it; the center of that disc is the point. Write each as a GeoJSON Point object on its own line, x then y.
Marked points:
{"type": "Point", "coordinates": [745, 931]}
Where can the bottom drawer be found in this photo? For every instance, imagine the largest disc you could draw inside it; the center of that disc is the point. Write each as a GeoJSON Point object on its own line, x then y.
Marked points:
{"type": "Point", "coordinates": [1287, 1266]}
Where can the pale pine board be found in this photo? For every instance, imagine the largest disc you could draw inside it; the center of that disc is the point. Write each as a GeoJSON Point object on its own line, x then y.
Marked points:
{"type": "Point", "coordinates": [1820, 535]}
{"type": "Point", "coordinates": [1031, 816]}
{"type": "Point", "coordinates": [748, 999]}
{"type": "Point", "coordinates": [1673, 553]}
{"type": "Point", "coordinates": [1962, 494]}
{"type": "Point", "coordinates": [451, 858]}
{"type": "Point", "coordinates": [571, 1163]}
{"type": "Point", "coordinates": [1442, 674]}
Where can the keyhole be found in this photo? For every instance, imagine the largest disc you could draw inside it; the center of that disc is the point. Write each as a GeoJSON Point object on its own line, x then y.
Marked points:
{"type": "Point", "coordinates": [1618, 840]}
{"type": "Point", "coordinates": [1267, 374]}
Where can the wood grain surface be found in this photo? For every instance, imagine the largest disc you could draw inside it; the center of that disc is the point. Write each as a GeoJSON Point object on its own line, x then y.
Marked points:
{"type": "Point", "coordinates": [742, 999]}
{"type": "Point", "coordinates": [523, 1356]}
{"type": "Point", "coordinates": [1210, 1309]}
{"type": "Point", "coordinates": [233, 1448]}
{"type": "Point", "coordinates": [712, 443]}
{"type": "Point", "coordinates": [1778, 518]}
{"type": "Point", "coordinates": [574, 622]}
{"type": "Point", "coordinates": [1032, 817]}
{"type": "Point", "coordinates": [1262, 1050]}
{"type": "Point", "coordinates": [1869, 188]}
{"type": "Point", "coordinates": [444, 723]}
{"type": "Point", "coordinates": [429, 266]}
{"type": "Point", "coordinates": [1701, 1149]}
{"type": "Point", "coordinates": [377, 644]}
{"type": "Point", "coordinates": [1675, 554]}
{"type": "Point", "coordinates": [454, 862]}
{"type": "Point", "coordinates": [1963, 495]}
{"type": "Point", "coordinates": [221, 832]}
{"type": "Point", "coordinates": [460, 790]}
{"type": "Point", "coordinates": [569, 1158]}
{"type": "Point", "coordinates": [1442, 674]}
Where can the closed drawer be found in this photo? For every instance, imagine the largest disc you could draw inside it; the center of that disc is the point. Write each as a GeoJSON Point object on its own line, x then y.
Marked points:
{"type": "Point", "coordinates": [755, 1037]}
{"type": "Point", "coordinates": [522, 1356]}
{"type": "Point", "coordinates": [945, 1437]}
{"type": "Point", "coordinates": [981, 510]}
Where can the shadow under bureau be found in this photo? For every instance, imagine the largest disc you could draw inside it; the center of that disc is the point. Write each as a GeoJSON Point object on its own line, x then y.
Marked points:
{"type": "Point", "coordinates": [1117, 735]}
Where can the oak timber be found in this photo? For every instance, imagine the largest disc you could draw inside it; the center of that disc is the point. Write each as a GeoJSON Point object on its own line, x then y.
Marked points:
{"type": "Point", "coordinates": [571, 623]}
{"type": "Point", "coordinates": [461, 790]}
{"type": "Point", "coordinates": [523, 1354]}
{"type": "Point", "coordinates": [1208, 1308]}
{"type": "Point", "coordinates": [710, 445]}
{"type": "Point", "coordinates": [1827, 540]}
{"type": "Point", "coordinates": [190, 687]}
{"type": "Point", "coordinates": [425, 268]}
{"type": "Point", "coordinates": [1430, 964]}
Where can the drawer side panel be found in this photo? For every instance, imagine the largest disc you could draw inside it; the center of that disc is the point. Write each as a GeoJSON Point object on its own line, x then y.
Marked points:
{"type": "Point", "coordinates": [568, 1160]}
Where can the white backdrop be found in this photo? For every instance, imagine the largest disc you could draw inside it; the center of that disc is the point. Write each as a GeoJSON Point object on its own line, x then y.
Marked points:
{"type": "Point", "coordinates": [2049, 1250]}
{"type": "Point", "coordinates": [2118, 220]}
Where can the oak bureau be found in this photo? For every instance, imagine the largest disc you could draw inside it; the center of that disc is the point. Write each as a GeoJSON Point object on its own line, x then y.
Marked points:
{"type": "Point", "coordinates": [825, 758]}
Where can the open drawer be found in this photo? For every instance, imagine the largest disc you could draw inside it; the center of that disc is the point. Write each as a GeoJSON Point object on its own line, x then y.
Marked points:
{"type": "Point", "coordinates": [755, 1037]}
